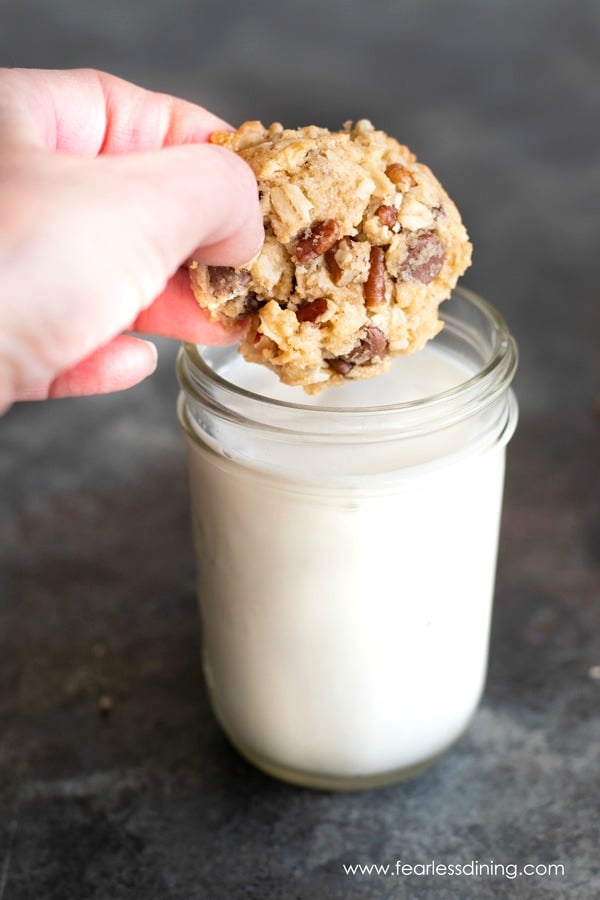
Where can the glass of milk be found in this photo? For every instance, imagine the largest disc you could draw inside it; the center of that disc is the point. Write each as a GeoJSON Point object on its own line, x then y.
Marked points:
{"type": "Point", "coordinates": [346, 546]}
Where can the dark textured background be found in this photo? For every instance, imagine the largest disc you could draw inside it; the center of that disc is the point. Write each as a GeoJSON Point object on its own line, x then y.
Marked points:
{"type": "Point", "coordinates": [502, 99]}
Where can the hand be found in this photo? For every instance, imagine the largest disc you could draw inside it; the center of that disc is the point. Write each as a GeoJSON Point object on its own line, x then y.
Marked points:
{"type": "Point", "coordinates": [105, 191]}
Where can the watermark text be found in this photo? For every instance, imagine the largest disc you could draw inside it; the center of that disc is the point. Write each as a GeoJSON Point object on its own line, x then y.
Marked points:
{"type": "Point", "coordinates": [474, 868]}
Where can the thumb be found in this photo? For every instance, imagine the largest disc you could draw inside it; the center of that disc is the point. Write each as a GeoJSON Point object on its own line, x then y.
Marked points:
{"type": "Point", "coordinates": [186, 197]}
{"type": "Point", "coordinates": [92, 242]}
{"type": "Point", "coordinates": [168, 204]}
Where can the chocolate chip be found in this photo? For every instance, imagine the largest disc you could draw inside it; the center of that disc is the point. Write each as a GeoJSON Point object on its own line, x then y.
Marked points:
{"type": "Point", "coordinates": [376, 341]}
{"type": "Point", "coordinates": [252, 304]}
{"type": "Point", "coordinates": [425, 257]}
{"type": "Point", "coordinates": [373, 345]}
{"type": "Point", "coordinates": [228, 282]}
{"type": "Point", "coordinates": [310, 312]}
{"type": "Point", "coordinates": [340, 365]}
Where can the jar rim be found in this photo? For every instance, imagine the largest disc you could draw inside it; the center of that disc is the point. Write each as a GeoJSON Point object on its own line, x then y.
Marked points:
{"type": "Point", "coordinates": [200, 382]}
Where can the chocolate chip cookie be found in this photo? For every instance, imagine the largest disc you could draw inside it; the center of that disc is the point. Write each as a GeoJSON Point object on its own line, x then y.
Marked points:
{"type": "Point", "coordinates": [362, 245]}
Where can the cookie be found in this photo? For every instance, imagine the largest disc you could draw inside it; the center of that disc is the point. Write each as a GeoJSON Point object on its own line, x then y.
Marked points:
{"type": "Point", "coordinates": [362, 245]}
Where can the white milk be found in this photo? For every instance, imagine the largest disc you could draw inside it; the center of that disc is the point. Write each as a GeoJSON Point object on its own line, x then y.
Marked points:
{"type": "Point", "coordinates": [346, 586]}
{"type": "Point", "coordinates": [346, 553]}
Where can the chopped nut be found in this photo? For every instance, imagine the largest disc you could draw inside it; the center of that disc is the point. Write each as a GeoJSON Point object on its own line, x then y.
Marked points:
{"type": "Point", "coordinates": [321, 238]}
{"type": "Point", "coordinates": [342, 249]}
{"type": "Point", "coordinates": [400, 176]}
{"type": "Point", "coordinates": [310, 312]}
{"type": "Point", "coordinates": [291, 211]}
{"type": "Point", "coordinates": [272, 269]}
{"type": "Point", "coordinates": [387, 215]}
{"type": "Point", "coordinates": [249, 134]}
{"type": "Point", "coordinates": [335, 271]}
{"type": "Point", "coordinates": [353, 260]}
{"type": "Point", "coordinates": [228, 282]}
{"type": "Point", "coordinates": [425, 257]}
{"type": "Point", "coordinates": [374, 286]}
{"type": "Point", "coordinates": [415, 216]}
{"type": "Point", "coordinates": [363, 126]}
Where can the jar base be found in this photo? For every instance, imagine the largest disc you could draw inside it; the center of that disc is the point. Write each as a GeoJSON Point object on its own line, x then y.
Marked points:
{"type": "Point", "coordinates": [333, 782]}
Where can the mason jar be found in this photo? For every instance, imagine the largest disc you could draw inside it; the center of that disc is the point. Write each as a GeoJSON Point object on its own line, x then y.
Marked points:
{"type": "Point", "coordinates": [346, 549]}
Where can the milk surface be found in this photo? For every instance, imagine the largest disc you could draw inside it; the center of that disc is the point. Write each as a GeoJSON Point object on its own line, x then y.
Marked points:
{"type": "Point", "coordinates": [414, 377]}
{"type": "Point", "coordinates": [345, 629]}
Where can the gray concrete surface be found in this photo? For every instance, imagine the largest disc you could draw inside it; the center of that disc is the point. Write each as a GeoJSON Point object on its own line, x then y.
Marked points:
{"type": "Point", "coordinates": [96, 569]}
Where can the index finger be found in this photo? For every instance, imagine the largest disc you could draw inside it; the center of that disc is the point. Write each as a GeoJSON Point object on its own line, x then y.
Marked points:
{"type": "Point", "coordinates": [176, 314]}
{"type": "Point", "coordinates": [86, 112]}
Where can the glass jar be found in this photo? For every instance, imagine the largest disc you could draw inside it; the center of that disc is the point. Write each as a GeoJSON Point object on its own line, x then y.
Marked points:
{"type": "Point", "coordinates": [346, 547]}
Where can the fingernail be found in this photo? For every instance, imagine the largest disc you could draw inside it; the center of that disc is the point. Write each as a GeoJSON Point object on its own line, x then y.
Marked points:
{"type": "Point", "coordinates": [153, 353]}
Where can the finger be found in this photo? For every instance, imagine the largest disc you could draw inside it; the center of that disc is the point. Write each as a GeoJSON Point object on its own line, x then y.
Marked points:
{"type": "Point", "coordinates": [86, 112]}
{"type": "Point", "coordinates": [176, 314]}
{"type": "Point", "coordinates": [224, 253]}
{"type": "Point", "coordinates": [182, 198]}
{"type": "Point", "coordinates": [103, 237]}
{"type": "Point", "coordinates": [122, 363]}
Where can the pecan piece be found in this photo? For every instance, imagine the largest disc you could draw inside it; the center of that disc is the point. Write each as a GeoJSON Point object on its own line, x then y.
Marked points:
{"type": "Point", "coordinates": [335, 271]}
{"type": "Point", "coordinates": [374, 286]}
{"type": "Point", "coordinates": [426, 255]}
{"type": "Point", "coordinates": [400, 176]}
{"type": "Point", "coordinates": [333, 267]}
{"type": "Point", "coordinates": [226, 281]}
{"type": "Point", "coordinates": [320, 238]}
{"type": "Point", "coordinates": [310, 311]}
{"type": "Point", "coordinates": [387, 215]}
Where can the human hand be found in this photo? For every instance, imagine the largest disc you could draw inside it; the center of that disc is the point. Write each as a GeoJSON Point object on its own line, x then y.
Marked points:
{"type": "Point", "coordinates": [105, 190]}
